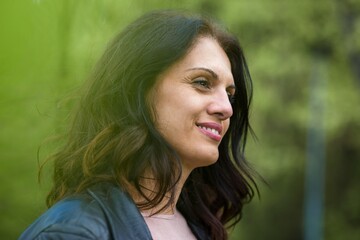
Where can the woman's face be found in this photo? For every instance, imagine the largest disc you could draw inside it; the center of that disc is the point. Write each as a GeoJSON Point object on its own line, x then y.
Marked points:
{"type": "Point", "coordinates": [191, 101]}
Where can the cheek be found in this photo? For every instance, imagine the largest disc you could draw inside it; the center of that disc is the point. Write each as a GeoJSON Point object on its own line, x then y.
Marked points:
{"type": "Point", "coordinates": [166, 117]}
{"type": "Point", "coordinates": [171, 117]}
{"type": "Point", "coordinates": [174, 121]}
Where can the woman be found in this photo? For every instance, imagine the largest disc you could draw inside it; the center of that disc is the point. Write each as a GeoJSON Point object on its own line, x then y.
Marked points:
{"type": "Point", "coordinates": [155, 150]}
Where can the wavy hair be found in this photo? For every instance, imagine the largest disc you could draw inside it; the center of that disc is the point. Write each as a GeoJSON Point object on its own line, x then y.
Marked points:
{"type": "Point", "coordinates": [112, 137]}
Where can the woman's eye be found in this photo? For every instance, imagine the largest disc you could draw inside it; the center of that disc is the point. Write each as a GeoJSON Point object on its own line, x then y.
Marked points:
{"type": "Point", "coordinates": [202, 82]}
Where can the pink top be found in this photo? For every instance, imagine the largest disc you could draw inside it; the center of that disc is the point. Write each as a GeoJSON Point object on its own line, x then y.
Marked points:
{"type": "Point", "coordinates": [168, 227]}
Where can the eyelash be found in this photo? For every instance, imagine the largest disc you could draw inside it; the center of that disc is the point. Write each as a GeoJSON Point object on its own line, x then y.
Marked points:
{"type": "Point", "coordinates": [203, 83]}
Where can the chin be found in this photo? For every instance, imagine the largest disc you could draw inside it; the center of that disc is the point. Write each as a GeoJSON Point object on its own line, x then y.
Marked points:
{"type": "Point", "coordinates": [210, 160]}
{"type": "Point", "coordinates": [202, 158]}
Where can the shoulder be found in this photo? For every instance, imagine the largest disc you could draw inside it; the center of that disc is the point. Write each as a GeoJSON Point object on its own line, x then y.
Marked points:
{"type": "Point", "coordinates": [90, 215]}
{"type": "Point", "coordinates": [104, 211]}
{"type": "Point", "coordinates": [77, 217]}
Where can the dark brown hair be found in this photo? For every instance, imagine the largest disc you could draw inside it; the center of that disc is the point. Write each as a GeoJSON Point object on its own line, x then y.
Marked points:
{"type": "Point", "coordinates": [113, 138]}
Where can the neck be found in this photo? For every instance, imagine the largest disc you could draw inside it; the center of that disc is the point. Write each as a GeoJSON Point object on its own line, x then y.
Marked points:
{"type": "Point", "coordinates": [149, 188]}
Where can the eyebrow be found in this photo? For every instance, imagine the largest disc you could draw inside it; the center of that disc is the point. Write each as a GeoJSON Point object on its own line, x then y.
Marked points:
{"type": "Point", "coordinates": [212, 73]}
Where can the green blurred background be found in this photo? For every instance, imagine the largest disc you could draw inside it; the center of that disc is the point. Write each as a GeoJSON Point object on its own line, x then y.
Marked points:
{"type": "Point", "coordinates": [304, 57]}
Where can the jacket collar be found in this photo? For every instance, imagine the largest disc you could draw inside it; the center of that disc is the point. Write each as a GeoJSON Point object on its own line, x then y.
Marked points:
{"type": "Point", "coordinates": [122, 215]}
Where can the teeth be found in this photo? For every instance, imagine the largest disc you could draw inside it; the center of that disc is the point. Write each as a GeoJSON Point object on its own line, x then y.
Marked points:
{"type": "Point", "coordinates": [210, 130]}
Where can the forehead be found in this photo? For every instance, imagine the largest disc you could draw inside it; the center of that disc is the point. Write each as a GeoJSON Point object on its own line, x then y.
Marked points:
{"type": "Point", "coordinates": [205, 53]}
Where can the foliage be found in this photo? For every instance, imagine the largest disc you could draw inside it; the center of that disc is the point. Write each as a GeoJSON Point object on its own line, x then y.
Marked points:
{"type": "Point", "coordinates": [48, 47]}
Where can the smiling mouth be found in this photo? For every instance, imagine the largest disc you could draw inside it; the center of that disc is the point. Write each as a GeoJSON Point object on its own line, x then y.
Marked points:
{"type": "Point", "coordinates": [211, 130]}
{"type": "Point", "coordinates": [214, 131]}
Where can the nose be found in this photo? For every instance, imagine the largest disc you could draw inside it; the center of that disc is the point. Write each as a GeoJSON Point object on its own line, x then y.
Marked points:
{"type": "Point", "coordinates": [220, 106]}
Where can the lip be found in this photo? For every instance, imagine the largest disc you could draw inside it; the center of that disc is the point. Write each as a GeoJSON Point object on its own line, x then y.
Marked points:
{"type": "Point", "coordinates": [209, 133]}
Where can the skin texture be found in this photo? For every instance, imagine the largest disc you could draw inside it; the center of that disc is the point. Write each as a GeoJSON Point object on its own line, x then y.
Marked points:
{"type": "Point", "coordinates": [191, 93]}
